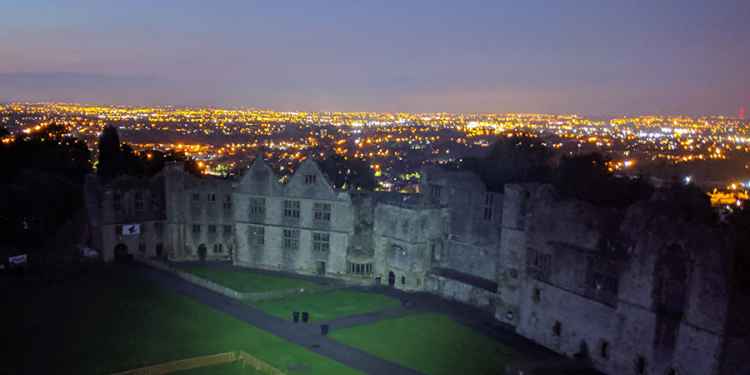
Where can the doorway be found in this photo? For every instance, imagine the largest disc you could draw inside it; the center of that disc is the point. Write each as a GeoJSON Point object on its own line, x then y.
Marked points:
{"type": "Point", "coordinates": [321, 268]}
{"type": "Point", "coordinates": [391, 278]}
{"type": "Point", "coordinates": [121, 253]}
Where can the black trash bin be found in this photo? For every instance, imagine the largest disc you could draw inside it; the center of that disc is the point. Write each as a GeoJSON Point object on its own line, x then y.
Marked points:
{"type": "Point", "coordinates": [295, 316]}
{"type": "Point", "coordinates": [324, 329]}
{"type": "Point", "coordinates": [305, 317]}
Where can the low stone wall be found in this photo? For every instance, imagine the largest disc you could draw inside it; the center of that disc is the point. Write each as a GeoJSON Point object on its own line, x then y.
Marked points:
{"type": "Point", "coordinates": [461, 292]}
{"type": "Point", "coordinates": [204, 361]}
{"type": "Point", "coordinates": [231, 293]}
{"type": "Point", "coordinates": [210, 285]}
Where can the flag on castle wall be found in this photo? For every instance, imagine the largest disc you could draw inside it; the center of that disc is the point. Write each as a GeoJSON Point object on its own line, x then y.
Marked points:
{"type": "Point", "coordinates": [131, 229]}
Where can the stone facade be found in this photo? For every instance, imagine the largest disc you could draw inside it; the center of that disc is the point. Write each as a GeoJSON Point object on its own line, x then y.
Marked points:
{"type": "Point", "coordinates": [633, 291]}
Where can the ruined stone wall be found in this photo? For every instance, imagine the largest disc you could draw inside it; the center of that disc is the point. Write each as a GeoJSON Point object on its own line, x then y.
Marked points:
{"type": "Point", "coordinates": [403, 237]}
{"type": "Point", "coordinates": [308, 191]}
{"type": "Point", "coordinates": [624, 288]}
{"type": "Point", "coordinates": [472, 231]}
{"type": "Point", "coordinates": [459, 291]}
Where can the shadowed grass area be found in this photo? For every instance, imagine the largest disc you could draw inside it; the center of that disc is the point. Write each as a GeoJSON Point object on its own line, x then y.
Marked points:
{"type": "Point", "coordinates": [111, 320]}
{"type": "Point", "coordinates": [248, 281]}
{"type": "Point", "coordinates": [328, 305]}
{"type": "Point", "coordinates": [430, 343]}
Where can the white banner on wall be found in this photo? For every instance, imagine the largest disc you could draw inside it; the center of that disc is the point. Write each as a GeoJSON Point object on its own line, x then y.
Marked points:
{"type": "Point", "coordinates": [131, 229]}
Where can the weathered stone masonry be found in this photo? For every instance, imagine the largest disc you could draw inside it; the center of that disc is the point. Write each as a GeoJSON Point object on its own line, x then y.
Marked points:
{"type": "Point", "coordinates": [633, 291]}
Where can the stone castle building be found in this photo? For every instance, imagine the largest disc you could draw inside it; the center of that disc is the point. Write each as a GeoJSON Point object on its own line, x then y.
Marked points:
{"type": "Point", "coordinates": [633, 291]}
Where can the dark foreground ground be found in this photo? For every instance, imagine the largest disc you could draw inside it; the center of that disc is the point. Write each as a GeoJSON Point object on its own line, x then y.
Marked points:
{"type": "Point", "coordinates": [115, 317]}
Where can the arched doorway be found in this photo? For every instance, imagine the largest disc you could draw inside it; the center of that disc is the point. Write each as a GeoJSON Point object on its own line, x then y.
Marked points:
{"type": "Point", "coordinates": [202, 252]}
{"type": "Point", "coordinates": [121, 253]}
{"type": "Point", "coordinates": [391, 278]}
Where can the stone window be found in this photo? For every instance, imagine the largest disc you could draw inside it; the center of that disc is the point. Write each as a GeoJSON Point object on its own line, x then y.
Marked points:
{"type": "Point", "coordinates": [322, 212]}
{"type": "Point", "coordinates": [212, 229]}
{"type": "Point", "coordinates": [557, 329]}
{"type": "Point", "coordinates": [256, 235]}
{"type": "Point", "coordinates": [257, 208]}
{"type": "Point", "coordinates": [291, 209]}
{"type": "Point", "coordinates": [117, 201]}
{"type": "Point", "coordinates": [211, 197]}
{"type": "Point", "coordinates": [155, 202]}
{"type": "Point", "coordinates": [604, 349]}
{"type": "Point", "coordinates": [489, 199]}
{"type": "Point", "coordinates": [321, 242]}
{"type": "Point", "coordinates": [359, 268]}
{"type": "Point", "coordinates": [138, 201]}
{"type": "Point", "coordinates": [640, 365]}
{"type": "Point", "coordinates": [227, 229]}
{"type": "Point", "coordinates": [196, 197]}
{"type": "Point", "coordinates": [310, 179]}
{"type": "Point", "coordinates": [435, 192]}
{"type": "Point", "coordinates": [290, 239]}
{"type": "Point", "coordinates": [196, 228]}
{"type": "Point", "coordinates": [670, 286]}
{"type": "Point", "coordinates": [218, 248]}
{"type": "Point", "coordinates": [536, 296]}
{"type": "Point", "coordinates": [403, 280]}
{"type": "Point", "coordinates": [227, 204]}
{"type": "Point", "coordinates": [118, 230]}
{"type": "Point", "coordinates": [539, 264]}
{"type": "Point", "coordinates": [434, 251]}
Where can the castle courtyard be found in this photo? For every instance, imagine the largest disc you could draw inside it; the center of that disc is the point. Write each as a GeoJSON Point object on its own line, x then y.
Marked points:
{"type": "Point", "coordinates": [144, 316]}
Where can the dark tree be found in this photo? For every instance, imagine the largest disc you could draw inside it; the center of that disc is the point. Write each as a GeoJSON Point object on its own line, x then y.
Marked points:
{"type": "Point", "coordinates": [41, 187]}
{"type": "Point", "coordinates": [110, 154]}
{"type": "Point", "coordinates": [348, 173]}
{"type": "Point", "coordinates": [586, 177]}
{"type": "Point", "coordinates": [515, 159]}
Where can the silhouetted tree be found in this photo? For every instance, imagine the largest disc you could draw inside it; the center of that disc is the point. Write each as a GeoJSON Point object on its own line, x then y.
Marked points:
{"type": "Point", "coordinates": [110, 154]}
{"type": "Point", "coordinates": [586, 177]}
{"type": "Point", "coordinates": [514, 159]}
{"type": "Point", "coordinates": [348, 173]}
{"type": "Point", "coordinates": [41, 185]}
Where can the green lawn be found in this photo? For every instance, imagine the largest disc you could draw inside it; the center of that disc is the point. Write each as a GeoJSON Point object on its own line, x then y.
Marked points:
{"type": "Point", "coordinates": [248, 281]}
{"type": "Point", "coordinates": [113, 321]}
{"type": "Point", "coordinates": [430, 343]}
{"type": "Point", "coordinates": [328, 305]}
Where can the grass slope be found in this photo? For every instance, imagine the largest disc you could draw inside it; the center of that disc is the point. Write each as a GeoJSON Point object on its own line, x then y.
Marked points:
{"type": "Point", "coordinates": [247, 281]}
{"type": "Point", "coordinates": [430, 343]}
{"type": "Point", "coordinates": [113, 321]}
{"type": "Point", "coordinates": [328, 305]}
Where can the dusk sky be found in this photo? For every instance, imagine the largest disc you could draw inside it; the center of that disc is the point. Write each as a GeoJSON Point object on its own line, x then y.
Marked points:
{"type": "Point", "coordinates": [591, 57]}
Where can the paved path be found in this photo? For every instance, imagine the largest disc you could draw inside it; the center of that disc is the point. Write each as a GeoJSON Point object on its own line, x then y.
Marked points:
{"type": "Point", "coordinates": [305, 335]}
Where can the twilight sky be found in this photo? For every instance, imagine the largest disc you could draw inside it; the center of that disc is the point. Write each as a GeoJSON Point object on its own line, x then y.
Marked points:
{"type": "Point", "coordinates": [592, 57]}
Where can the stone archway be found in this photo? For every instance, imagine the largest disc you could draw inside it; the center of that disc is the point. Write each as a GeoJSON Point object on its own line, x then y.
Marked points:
{"type": "Point", "coordinates": [391, 278]}
{"type": "Point", "coordinates": [121, 253]}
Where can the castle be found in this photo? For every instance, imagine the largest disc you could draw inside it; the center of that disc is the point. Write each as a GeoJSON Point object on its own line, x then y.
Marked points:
{"type": "Point", "coordinates": [633, 291]}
